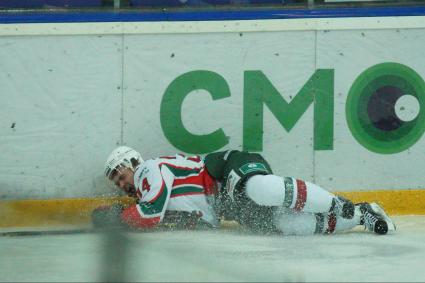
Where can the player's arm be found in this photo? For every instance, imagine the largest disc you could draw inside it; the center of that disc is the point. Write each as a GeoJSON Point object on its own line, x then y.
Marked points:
{"type": "Point", "coordinates": [155, 195]}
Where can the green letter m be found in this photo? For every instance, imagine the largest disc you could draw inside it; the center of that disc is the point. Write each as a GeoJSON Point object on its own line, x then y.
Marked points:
{"type": "Point", "coordinates": [258, 90]}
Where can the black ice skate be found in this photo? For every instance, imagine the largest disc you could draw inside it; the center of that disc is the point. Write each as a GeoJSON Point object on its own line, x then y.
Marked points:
{"type": "Point", "coordinates": [375, 219]}
{"type": "Point", "coordinates": [342, 207]}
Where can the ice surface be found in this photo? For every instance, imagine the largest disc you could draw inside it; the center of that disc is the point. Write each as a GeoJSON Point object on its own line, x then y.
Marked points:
{"type": "Point", "coordinates": [225, 255]}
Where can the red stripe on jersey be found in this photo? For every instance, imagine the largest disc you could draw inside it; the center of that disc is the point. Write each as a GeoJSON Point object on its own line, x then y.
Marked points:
{"type": "Point", "coordinates": [178, 167]}
{"type": "Point", "coordinates": [210, 185]}
{"type": "Point", "coordinates": [192, 180]}
{"type": "Point", "coordinates": [160, 192]}
{"type": "Point", "coordinates": [132, 218]}
{"type": "Point", "coordinates": [331, 223]}
{"type": "Point", "coordinates": [167, 157]}
{"type": "Point", "coordinates": [171, 156]}
{"type": "Point", "coordinates": [194, 158]}
{"type": "Point", "coordinates": [203, 179]}
{"type": "Point", "coordinates": [301, 195]}
{"type": "Point", "coordinates": [191, 158]}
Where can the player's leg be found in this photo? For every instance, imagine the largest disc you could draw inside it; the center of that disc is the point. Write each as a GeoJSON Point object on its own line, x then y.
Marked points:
{"type": "Point", "coordinates": [313, 223]}
{"type": "Point", "coordinates": [245, 173]}
{"type": "Point", "coordinates": [371, 216]}
{"type": "Point", "coordinates": [301, 196]}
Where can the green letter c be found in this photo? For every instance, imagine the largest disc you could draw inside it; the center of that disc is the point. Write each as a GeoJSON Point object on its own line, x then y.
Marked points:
{"type": "Point", "coordinates": [171, 108]}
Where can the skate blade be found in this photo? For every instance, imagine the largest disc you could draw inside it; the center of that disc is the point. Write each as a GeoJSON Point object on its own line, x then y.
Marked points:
{"type": "Point", "coordinates": [378, 209]}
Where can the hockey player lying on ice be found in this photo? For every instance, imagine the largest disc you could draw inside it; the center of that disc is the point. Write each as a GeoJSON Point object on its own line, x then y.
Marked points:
{"type": "Point", "coordinates": [199, 191]}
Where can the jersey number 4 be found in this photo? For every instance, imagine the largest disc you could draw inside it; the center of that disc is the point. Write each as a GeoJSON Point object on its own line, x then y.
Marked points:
{"type": "Point", "coordinates": [145, 185]}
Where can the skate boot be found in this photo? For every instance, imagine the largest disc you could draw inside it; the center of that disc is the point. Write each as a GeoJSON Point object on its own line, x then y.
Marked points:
{"type": "Point", "coordinates": [375, 219]}
{"type": "Point", "coordinates": [342, 207]}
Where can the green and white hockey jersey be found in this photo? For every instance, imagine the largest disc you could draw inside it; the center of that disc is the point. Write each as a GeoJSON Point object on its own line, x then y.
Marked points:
{"type": "Point", "coordinates": [174, 183]}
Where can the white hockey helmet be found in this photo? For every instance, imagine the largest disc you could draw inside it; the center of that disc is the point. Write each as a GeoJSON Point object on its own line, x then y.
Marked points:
{"type": "Point", "coordinates": [122, 156]}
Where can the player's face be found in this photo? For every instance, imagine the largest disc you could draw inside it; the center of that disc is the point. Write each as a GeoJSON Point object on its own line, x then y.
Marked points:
{"type": "Point", "coordinates": [124, 179]}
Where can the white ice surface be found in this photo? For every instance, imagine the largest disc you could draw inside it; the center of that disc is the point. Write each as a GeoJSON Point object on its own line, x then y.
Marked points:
{"type": "Point", "coordinates": [225, 255]}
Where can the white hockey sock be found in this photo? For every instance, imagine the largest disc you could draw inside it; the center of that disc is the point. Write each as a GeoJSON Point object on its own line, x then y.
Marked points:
{"type": "Point", "coordinates": [272, 190]}
{"type": "Point", "coordinates": [310, 223]}
{"type": "Point", "coordinates": [266, 189]}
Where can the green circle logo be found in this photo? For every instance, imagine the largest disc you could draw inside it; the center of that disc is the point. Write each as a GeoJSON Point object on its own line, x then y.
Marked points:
{"type": "Point", "coordinates": [371, 110]}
